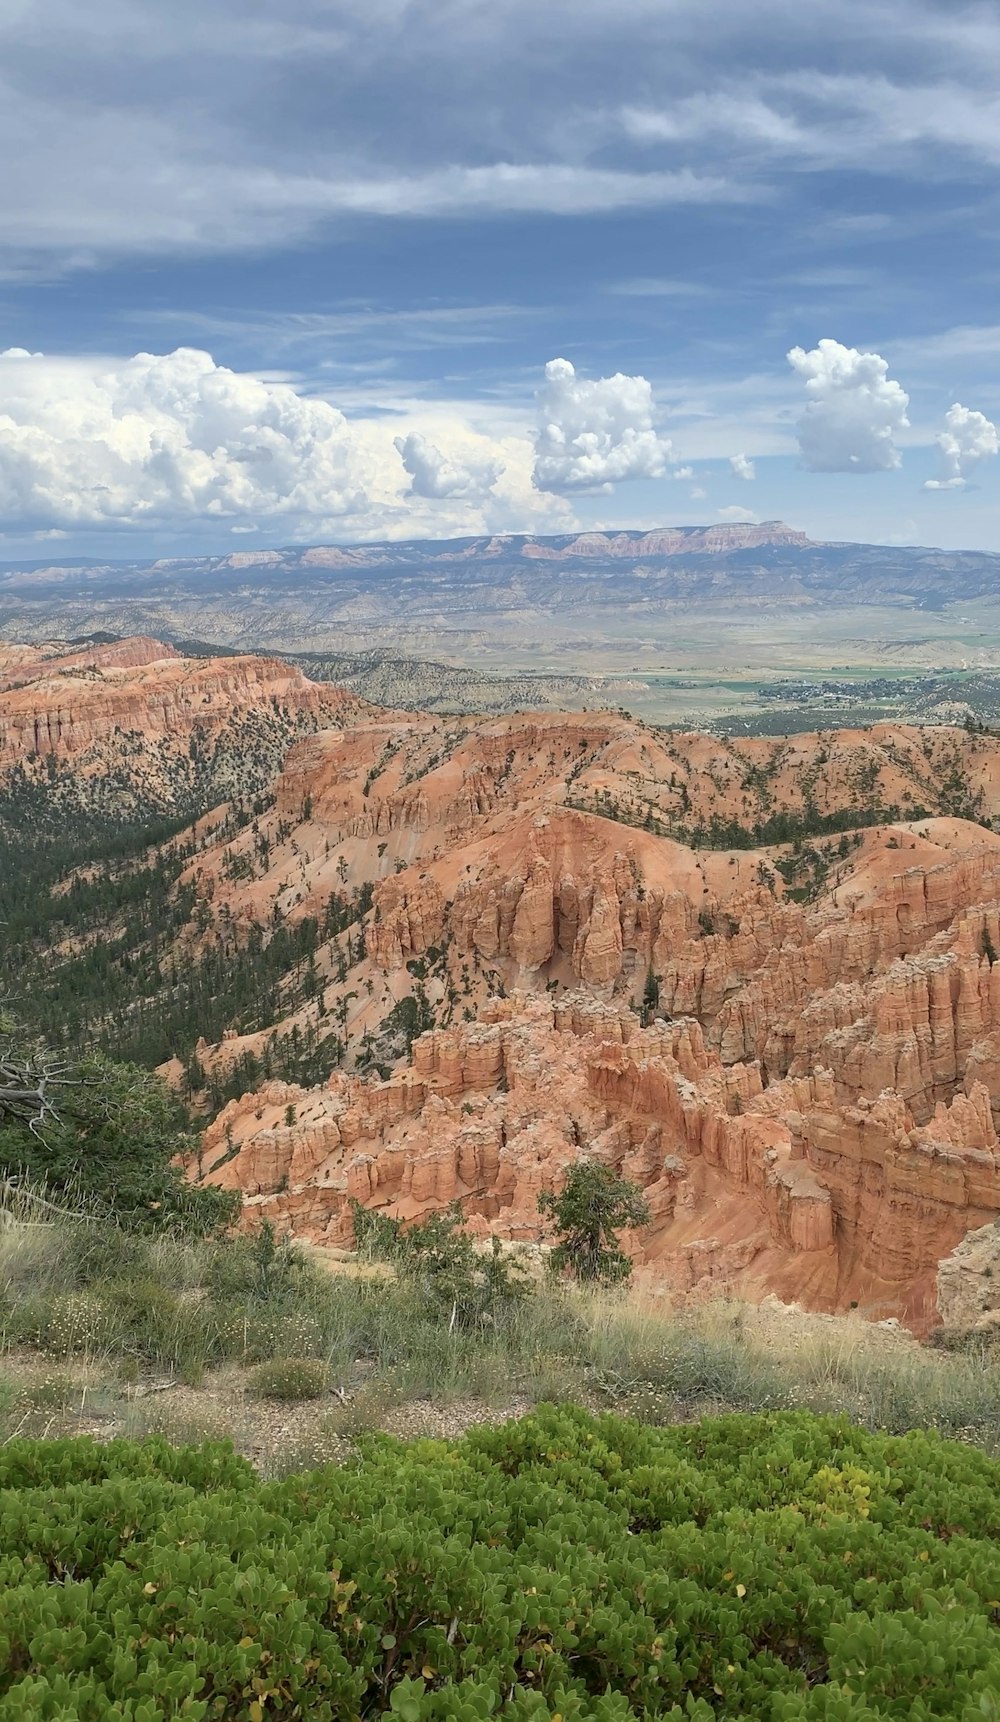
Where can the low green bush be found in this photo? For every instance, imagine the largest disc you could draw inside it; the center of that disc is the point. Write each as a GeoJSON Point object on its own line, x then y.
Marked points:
{"type": "Point", "coordinates": [437, 1256]}
{"type": "Point", "coordinates": [288, 1378]}
{"type": "Point", "coordinates": [781, 1567]}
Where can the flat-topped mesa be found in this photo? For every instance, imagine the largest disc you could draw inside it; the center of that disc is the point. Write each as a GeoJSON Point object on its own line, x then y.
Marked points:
{"type": "Point", "coordinates": [665, 541]}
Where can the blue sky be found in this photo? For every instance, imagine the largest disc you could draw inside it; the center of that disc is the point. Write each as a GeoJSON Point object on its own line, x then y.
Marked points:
{"type": "Point", "coordinates": [281, 270]}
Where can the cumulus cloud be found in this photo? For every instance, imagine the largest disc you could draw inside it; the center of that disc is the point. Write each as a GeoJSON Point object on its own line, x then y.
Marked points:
{"type": "Point", "coordinates": [175, 441]}
{"type": "Point", "coordinates": [593, 434]}
{"type": "Point", "coordinates": [735, 513]}
{"type": "Point", "coordinates": [162, 438]}
{"type": "Point", "coordinates": [854, 411]}
{"type": "Point", "coordinates": [741, 466]}
{"type": "Point", "coordinates": [433, 474]}
{"type": "Point", "coordinates": [968, 438]}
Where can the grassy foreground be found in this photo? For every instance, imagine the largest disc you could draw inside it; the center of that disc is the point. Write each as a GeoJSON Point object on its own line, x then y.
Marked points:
{"type": "Point", "coordinates": [92, 1316]}
{"type": "Point", "coordinates": [563, 1568]}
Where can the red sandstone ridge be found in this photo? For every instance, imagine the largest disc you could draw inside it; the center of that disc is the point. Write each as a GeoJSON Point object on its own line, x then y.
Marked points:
{"type": "Point", "coordinates": [555, 848]}
{"type": "Point", "coordinates": [22, 664]}
{"type": "Point", "coordinates": [104, 704]}
{"type": "Point", "coordinates": [829, 1074]}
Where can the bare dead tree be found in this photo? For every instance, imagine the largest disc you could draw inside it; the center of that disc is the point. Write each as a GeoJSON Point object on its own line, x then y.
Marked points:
{"type": "Point", "coordinates": [29, 1088]}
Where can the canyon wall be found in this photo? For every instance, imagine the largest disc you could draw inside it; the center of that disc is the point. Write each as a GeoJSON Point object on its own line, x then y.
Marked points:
{"type": "Point", "coordinates": [811, 1107]}
{"type": "Point", "coordinates": [759, 977]}
{"type": "Point", "coordinates": [783, 1189]}
{"type": "Point", "coordinates": [75, 704]}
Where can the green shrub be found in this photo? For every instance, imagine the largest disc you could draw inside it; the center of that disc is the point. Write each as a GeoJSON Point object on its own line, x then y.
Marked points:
{"type": "Point", "coordinates": [784, 1568]}
{"type": "Point", "coordinates": [288, 1378]}
{"type": "Point", "coordinates": [459, 1283]}
{"type": "Point", "coordinates": [114, 1145]}
{"type": "Point", "coordinates": [587, 1215]}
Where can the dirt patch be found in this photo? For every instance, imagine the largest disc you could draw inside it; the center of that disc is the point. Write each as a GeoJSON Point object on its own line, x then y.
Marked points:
{"type": "Point", "coordinates": [45, 1399]}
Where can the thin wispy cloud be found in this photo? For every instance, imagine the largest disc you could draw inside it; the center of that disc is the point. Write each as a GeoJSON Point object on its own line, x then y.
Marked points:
{"type": "Point", "coordinates": [400, 213]}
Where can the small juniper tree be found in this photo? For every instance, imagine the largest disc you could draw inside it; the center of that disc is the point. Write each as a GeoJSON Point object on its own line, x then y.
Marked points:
{"type": "Point", "coordinates": [593, 1207]}
{"type": "Point", "coordinates": [460, 1284]}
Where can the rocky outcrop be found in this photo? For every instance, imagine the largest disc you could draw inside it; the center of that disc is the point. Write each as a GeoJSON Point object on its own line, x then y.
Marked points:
{"type": "Point", "coordinates": [753, 1188]}
{"type": "Point", "coordinates": [968, 1284]}
{"type": "Point", "coordinates": [132, 727]}
{"type": "Point", "coordinates": [70, 707]}
{"type": "Point", "coordinates": [22, 664]}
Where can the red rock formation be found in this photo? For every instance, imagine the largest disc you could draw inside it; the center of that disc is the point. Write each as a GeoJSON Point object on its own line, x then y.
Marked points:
{"type": "Point", "coordinates": [824, 1129]}
{"type": "Point", "coordinates": [22, 664]}
{"type": "Point", "coordinates": [818, 1119]}
{"type": "Point", "coordinates": [71, 705]}
{"type": "Point", "coordinates": [752, 1189]}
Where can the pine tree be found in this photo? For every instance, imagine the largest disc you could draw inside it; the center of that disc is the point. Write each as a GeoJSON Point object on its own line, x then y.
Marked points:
{"type": "Point", "coordinates": [593, 1207]}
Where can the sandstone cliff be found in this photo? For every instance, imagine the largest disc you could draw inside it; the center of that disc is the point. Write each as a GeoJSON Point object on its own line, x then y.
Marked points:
{"type": "Point", "coordinates": [753, 1190]}
{"type": "Point", "coordinates": [815, 1115]}
{"type": "Point", "coordinates": [74, 703]}
{"type": "Point", "coordinates": [133, 719]}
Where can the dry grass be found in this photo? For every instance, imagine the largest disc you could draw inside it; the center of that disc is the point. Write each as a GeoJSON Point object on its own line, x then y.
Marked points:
{"type": "Point", "coordinates": [92, 1320]}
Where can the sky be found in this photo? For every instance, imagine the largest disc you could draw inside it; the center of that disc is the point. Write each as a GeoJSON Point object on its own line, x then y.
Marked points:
{"type": "Point", "coordinates": [280, 271]}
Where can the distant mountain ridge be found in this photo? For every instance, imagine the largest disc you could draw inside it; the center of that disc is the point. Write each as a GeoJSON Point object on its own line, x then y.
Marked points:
{"type": "Point", "coordinates": [637, 545]}
{"type": "Point", "coordinates": [521, 598]}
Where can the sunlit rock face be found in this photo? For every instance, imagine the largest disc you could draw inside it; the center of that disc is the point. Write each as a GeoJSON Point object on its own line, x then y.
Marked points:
{"type": "Point", "coordinates": [810, 1107]}
{"type": "Point", "coordinates": [793, 1046]}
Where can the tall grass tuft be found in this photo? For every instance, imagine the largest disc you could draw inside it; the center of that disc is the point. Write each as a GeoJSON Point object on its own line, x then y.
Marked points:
{"type": "Point", "coordinates": [80, 1291]}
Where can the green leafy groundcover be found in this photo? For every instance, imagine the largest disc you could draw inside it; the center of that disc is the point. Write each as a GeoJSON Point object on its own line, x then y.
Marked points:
{"type": "Point", "coordinates": [571, 1567]}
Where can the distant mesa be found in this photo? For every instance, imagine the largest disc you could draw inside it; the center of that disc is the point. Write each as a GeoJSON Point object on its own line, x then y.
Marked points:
{"type": "Point", "coordinates": [637, 546]}
{"type": "Point", "coordinates": [518, 593]}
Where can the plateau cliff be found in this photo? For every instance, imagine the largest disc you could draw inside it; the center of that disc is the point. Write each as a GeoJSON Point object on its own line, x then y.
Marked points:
{"type": "Point", "coordinates": [820, 996]}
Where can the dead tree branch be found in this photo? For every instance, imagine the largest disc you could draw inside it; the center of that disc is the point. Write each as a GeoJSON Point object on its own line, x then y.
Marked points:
{"type": "Point", "coordinates": [29, 1089]}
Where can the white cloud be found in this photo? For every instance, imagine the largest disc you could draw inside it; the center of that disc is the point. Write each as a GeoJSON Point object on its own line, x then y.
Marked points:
{"type": "Point", "coordinates": [716, 112]}
{"type": "Point", "coordinates": [698, 495]}
{"type": "Point", "coordinates": [735, 513]}
{"type": "Point", "coordinates": [147, 177]}
{"type": "Point", "coordinates": [161, 438]}
{"type": "Point", "coordinates": [661, 287]}
{"type": "Point", "coordinates": [854, 412]}
{"type": "Point", "coordinates": [433, 474]}
{"type": "Point", "coordinates": [129, 127]}
{"type": "Point", "coordinates": [166, 441]}
{"type": "Point", "coordinates": [968, 438]}
{"type": "Point", "coordinates": [682, 472]}
{"type": "Point", "coordinates": [593, 434]}
{"type": "Point", "coordinates": [741, 466]}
